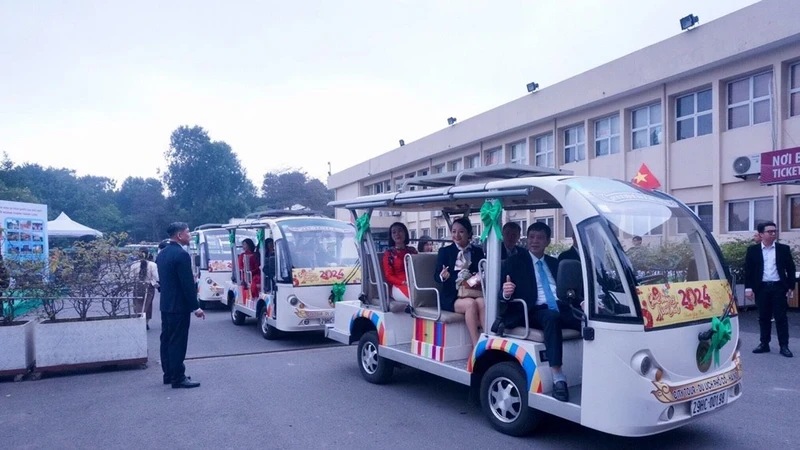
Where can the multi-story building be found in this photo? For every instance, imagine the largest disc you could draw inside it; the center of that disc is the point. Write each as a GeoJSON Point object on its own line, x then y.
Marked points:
{"type": "Point", "coordinates": [687, 107]}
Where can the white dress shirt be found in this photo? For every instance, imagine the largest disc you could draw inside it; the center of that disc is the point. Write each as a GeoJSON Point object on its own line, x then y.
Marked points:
{"type": "Point", "coordinates": [152, 272]}
{"type": "Point", "coordinates": [770, 264]}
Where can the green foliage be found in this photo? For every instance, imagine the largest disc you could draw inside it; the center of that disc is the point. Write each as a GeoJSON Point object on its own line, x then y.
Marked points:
{"type": "Point", "coordinates": [734, 252]}
{"type": "Point", "coordinates": [144, 209]}
{"type": "Point", "coordinates": [205, 178]}
{"type": "Point", "coordinates": [284, 189]}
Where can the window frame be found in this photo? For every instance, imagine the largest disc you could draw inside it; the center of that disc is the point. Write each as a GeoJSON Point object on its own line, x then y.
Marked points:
{"type": "Point", "coordinates": [470, 161]}
{"type": "Point", "coordinates": [455, 165]}
{"type": "Point", "coordinates": [695, 115]}
{"type": "Point", "coordinates": [551, 151]}
{"type": "Point", "coordinates": [550, 221]}
{"type": "Point", "coordinates": [523, 145]}
{"type": "Point", "coordinates": [569, 230]}
{"type": "Point", "coordinates": [695, 209]}
{"type": "Point", "coordinates": [492, 151]}
{"type": "Point", "coordinates": [609, 138]}
{"type": "Point", "coordinates": [751, 101]}
{"type": "Point", "coordinates": [579, 130]}
{"type": "Point", "coordinates": [649, 128]}
{"type": "Point", "coordinates": [751, 213]}
{"type": "Point", "coordinates": [793, 90]}
{"type": "Point", "coordinates": [440, 168]}
{"type": "Point", "coordinates": [443, 234]}
{"type": "Point", "coordinates": [789, 199]}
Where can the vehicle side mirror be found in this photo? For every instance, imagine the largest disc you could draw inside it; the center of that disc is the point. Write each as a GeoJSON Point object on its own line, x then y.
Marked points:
{"type": "Point", "coordinates": [569, 282]}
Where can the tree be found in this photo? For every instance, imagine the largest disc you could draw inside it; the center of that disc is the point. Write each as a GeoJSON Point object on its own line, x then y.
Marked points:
{"type": "Point", "coordinates": [144, 208]}
{"type": "Point", "coordinates": [284, 189]}
{"type": "Point", "coordinates": [205, 178]}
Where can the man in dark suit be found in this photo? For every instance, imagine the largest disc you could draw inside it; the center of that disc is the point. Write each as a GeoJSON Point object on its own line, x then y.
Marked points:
{"type": "Point", "coordinates": [511, 232]}
{"type": "Point", "coordinates": [178, 302]}
{"type": "Point", "coordinates": [531, 276]}
{"type": "Point", "coordinates": [769, 275]}
{"type": "Point", "coordinates": [570, 253]}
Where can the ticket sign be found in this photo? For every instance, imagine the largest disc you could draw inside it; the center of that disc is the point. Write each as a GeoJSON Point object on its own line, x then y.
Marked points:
{"type": "Point", "coordinates": [780, 166]}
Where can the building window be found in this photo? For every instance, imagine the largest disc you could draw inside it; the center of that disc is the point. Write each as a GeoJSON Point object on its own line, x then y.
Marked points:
{"type": "Point", "coordinates": [476, 230]}
{"type": "Point", "coordinates": [693, 115]}
{"type": "Point", "coordinates": [368, 190]}
{"type": "Point", "coordinates": [493, 156]}
{"type": "Point", "coordinates": [794, 212]}
{"type": "Point", "coordinates": [745, 215]}
{"type": "Point", "coordinates": [454, 166]}
{"type": "Point", "coordinates": [473, 161]}
{"type": "Point", "coordinates": [523, 226]}
{"type": "Point", "coordinates": [568, 231]}
{"type": "Point", "coordinates": [440, 233]}
{"type": "Point", "coordinates": [545, 151]}
{"type": "Point", "coordinates": [549, 221]}
{"type": "Point", "coordinates": [438, 169]}
{"type": "Point", "coordinates": [379, 188]}
{"type": "Point", "coordinates": [574, 144]}
{"type": "Point", "coordinates": [794, 90]}
{"type": "Point", "coordinates": [426, 232]}
{"type": "Point", "coordinates": [413, 234]}
{"type": "Point", "coordinates": [705, 211]}
{"type": "Point", "coordinates": [606, 136]}
{"type": "Point", "coordinates": [646, 126]}
{"type": "Point", "coordinates": [423, 172]}
{"type": "Point", "coordinates": [749, 100]}
{"type": "Point", "coordinates": [519, 154]}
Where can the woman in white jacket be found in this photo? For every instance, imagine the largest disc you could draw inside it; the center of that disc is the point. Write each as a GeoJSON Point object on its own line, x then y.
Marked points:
{"type": "Point", "coordinates": [145, 275]}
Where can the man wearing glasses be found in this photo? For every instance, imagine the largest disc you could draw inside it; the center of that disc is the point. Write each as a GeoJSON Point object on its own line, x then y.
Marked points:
{"type": "Point", "coordinates": [770, 277]}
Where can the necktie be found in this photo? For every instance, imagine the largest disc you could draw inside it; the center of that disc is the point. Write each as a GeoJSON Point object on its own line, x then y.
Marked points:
{"type": "Point", "coordinates": [548, 293]}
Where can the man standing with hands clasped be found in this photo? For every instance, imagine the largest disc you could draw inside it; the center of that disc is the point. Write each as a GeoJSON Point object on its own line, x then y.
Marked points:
{"type": "Point", "coordinates": [769, 275]}
{"type": "Point", "coordinates": [178, 302]}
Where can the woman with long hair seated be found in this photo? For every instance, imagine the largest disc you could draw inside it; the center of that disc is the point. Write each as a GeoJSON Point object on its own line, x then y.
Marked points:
{"type": "Point", "coordinates": [394, 262]}
{"type": "Point", "coordinates": [457, 270]}
{"type": "Point", "coordinates": [250, 264]}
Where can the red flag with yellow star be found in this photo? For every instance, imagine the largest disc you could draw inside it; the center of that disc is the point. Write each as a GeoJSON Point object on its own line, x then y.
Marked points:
{"type": "Point", "coordinates": [645, 179]}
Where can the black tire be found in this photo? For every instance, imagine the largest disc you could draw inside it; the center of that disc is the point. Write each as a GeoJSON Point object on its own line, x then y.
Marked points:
{"type": "Point", "coordinates": [267, 331]}
{"type": "Point", "coordinates": [237, 317]}
{"type": "Point", "coordinates": [375, 369]}
{"type": "Point", "coordinates": [511, 414]}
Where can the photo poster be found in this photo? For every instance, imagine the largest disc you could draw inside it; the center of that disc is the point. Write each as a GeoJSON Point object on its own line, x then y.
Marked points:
{"type": "Point", "coordinates": [24, 230]}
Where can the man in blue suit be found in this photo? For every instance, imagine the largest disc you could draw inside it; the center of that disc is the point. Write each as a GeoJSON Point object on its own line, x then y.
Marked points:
{"type": "Point", "coordinates": [178, 302]}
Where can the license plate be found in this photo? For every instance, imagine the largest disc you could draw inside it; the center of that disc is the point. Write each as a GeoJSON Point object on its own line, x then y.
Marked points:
{"type": "Point", "coordinates": [325, 321]}
{"type": "Point", "coordinates": [708, 403]}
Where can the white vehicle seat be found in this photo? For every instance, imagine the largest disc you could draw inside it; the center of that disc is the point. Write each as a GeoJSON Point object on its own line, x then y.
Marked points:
{"type": "Point", "coordinates": [420, 270]}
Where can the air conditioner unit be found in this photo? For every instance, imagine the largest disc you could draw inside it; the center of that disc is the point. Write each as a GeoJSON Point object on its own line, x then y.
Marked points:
{"type": "Point", "coordinates": [437, 214]}
{"type": "Point", "coordinates": [397, 213]}
{"type": "Point", "coordinates": [745, 166]}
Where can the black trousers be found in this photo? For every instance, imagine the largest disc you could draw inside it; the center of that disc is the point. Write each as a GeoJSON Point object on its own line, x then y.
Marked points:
{"type": "Point", "coordinates": [771, 301]}
{"type": "Point", "coordinates": [174, 339]}
{"type": "Point", "coordinates": [549, 321]}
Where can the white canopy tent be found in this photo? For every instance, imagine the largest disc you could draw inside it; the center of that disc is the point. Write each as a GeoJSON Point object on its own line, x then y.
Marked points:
{"type": "Point", "coordinates": [63, 226]}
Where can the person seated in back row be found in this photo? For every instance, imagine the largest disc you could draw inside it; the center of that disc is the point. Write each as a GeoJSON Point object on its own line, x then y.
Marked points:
{"type": "Point", "coordinates": [570, 253]}
{"type": "Point", "coordinates": [394, 262]}
{"type": "Point", "coordinates": [457, 270]}
{"type": "Point", "coordinates": [511, 232]}
{"type": "Point", "coordinates": [531, 276]}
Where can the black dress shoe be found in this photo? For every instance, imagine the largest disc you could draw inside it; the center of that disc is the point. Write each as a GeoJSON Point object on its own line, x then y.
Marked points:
{"type": "Point", "coordinates": [762, 348]}
{"type": "Point", "coordinates": [498, 327]}
{"type": "Point", "coordinates": [786, 352]}
{"type": "Point", "coordinates": [187, 383]}
{"type": "Point", "coordinates": [560, 391]}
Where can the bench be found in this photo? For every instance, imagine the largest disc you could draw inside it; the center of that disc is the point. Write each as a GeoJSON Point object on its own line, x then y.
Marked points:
{"type": "Point", "coordinates": [525, 332]}
{"type": "Point", "coordinates": [422, 290]}
{"type": "Point", "coordinates": [372, 296]}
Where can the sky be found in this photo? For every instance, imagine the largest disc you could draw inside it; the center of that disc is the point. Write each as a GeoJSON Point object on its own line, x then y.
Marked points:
{"type": "Point", "coordinates": [98, 86]}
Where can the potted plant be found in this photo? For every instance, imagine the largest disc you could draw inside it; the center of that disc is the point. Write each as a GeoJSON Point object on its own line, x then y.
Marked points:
{"type": "Point", "coordinates": [91, 321]}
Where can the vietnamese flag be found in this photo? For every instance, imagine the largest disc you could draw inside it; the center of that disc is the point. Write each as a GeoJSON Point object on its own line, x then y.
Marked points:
{"type": "Point", "coordinates": [645, 179]}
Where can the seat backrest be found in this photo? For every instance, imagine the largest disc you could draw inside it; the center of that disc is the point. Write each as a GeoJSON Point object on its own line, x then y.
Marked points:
{"type": "Point", "coordinates": [420, 269]}
{"type": "Point", "coordinates": [372, 284]}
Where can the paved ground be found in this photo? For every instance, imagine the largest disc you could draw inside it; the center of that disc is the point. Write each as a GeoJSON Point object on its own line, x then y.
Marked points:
{"type": "Point", "coordinates": [307, 393]}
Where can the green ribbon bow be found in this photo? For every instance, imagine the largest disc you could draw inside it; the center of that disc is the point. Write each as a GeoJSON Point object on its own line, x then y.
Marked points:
{"type": "Point", "coordinates": [260, 236]}
{"type": "Point", "coordinates": [490, 216]}
{"type": "Point", "coordinates": [362, 225]}
{"type": "Point", "coordinates": [232, 237]}
{"type": "Point", "coordinates": [337, 290]}
{"type": "Point", "coordinates": [721, 334]}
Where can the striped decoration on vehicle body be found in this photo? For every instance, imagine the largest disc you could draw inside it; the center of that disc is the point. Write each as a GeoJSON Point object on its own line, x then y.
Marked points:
{"type": "Point", "coordinates": [429, 339]}
{"type": "Point", "coordinates": [525, 360]}
{"type": "Point", "coordinates": [376, 320]}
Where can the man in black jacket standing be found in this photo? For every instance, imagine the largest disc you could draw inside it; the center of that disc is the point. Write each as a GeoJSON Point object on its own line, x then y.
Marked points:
{"type": "Point", "coordinates": [178, 302]}
{"type": "Point", "coordinates": [769, 275]}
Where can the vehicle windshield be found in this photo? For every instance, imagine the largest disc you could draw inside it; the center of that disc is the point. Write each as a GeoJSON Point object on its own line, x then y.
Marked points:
{"type": "Point", "coordinates": [678, 276]}
{"type": "Point", "coordinates": [320, 243]}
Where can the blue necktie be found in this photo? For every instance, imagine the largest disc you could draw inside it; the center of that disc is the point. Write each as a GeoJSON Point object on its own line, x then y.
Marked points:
{"type": "Point", "coordinates": [548, 293]}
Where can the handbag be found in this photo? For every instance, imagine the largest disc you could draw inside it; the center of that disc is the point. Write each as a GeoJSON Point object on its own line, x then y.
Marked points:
{"type": "Point", "coordinates": [465, 290]}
